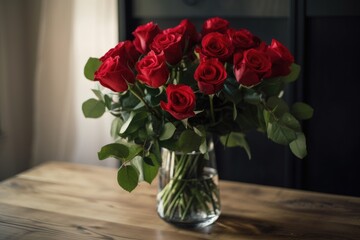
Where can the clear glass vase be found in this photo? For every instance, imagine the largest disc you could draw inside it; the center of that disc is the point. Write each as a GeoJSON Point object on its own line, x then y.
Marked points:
{"type": "Point", "coordinates": [188, 188]}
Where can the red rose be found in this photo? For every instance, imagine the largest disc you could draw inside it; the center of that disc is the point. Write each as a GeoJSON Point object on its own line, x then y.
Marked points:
{"type": "Point", "coordinates": [172, 43]}
{"type": "Point", "coordinates": [251, 67]}
{"type": "Point", "coordinates": [243, 39]}
{"type": "Point", "coordinates": [144, 35]}
{"type": "Point", "coordinates": [281, 59]}
{"type": "Point", "coordinates": [211, 75]}
{"type": "Point", "coordinates": [114, 75]}
{"type": "Point", "coordinates": [188, 30]}
{"type": "Point", "coordinates": [126, 51]}
{"type": "Point", "coordinates": [215, 24]}
{"type": "Point", "coordinates": [217, 45]}
{"type": "Point", "coordinates": [152, 69]}
{"type": "Point", "coordinates": [181, 101]}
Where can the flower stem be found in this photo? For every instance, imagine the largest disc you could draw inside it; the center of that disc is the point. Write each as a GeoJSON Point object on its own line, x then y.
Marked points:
{"type": "Point", "coordinates": [190, 190]}
{"type": "Point", "coordinates": [152, 110]}
{"type": "Point", "coordinates": [211, 98]}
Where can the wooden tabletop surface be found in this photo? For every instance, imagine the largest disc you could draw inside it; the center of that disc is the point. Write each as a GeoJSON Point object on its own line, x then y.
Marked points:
{"type": "Point", "coordinates": [70, 201]}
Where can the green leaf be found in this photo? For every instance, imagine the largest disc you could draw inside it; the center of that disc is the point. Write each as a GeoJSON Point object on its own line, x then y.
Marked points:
{"type": "Point", "coordinates": [108, 102]}
{"type": "Point", "coordinates": [252, 97]}
{"type": "Point", "coordinates": [302, 111]}
{"type": "Point", "coordinates": [148, 161]}
{"type": "Point", "coordinates": [280, 133]}
{"type": "Point", "coordinates": [129, 101]}
{"type": "Point", "coordinates": [128, 177]}
{"type": "Point", "coordinates": [168, 131]}
{"type": "Point", "coordinates": [261, 120]}
{"type": "Point", "coordinates": [200, 130]}
{"type": "Point", "coordinates": [298, 146]}
{"type": "Point", "coordinates": [284, 130]}
{"type": "Point", "coordinates": [189, 141]}
{"type": "Point", "coordinates": [231, 90]}
{"type": "Point", "coordinates": [247, 118]}
{"type": "Point", "coordinates": [278, 105]}
{"type": "Point", "coordinates": [115, 127]}
{"type": "Point", "coordinates": [134, 149]}
{"type": "Point", "coordinates": [290, 121]}
{"type": "Point", "coordinates": [134, 122]}
{"type": "Point", "coordinates": [272, 86]}
{"type": "Point", "coordinates": [293, 75]}
{"type": "Point", "coordinates": [150, 168]}
{"type": "Point", "coordinates": [169, 144]}
{"type": "Point", "coordinates": [137, 162]}
{"type": "Point", "coordinates": [98, 94]}
{"type": "Point", "coordinates": [234, 112]}
{"type": "Point", "coordinates": [91, 67]}
{"type": "Point", "coordinates": [267, 117]}
{"type": "Point", "coordinates": [115, 150]}
{"type": "Point", "coordinates": [236, 139]}
{"type": "Point", "coordinates": [93, 108]}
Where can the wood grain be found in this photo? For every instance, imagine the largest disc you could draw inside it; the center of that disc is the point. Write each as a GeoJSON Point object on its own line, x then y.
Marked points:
{"type": "Point", "coordinates": [70, 201]}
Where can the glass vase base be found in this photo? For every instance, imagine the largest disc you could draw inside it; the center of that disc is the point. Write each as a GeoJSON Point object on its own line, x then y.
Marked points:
{"type": "Point", "coordinates": [193, 223]}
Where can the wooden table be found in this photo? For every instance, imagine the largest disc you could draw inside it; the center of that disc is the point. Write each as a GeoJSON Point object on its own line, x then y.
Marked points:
{"type": "Point", "coordinates": [69, 201]}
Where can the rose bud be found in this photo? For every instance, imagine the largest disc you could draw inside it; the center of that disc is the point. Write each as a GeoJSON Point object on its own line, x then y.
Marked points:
{"type": "Point", "coordinates": [181, 101]}
{"type": "Point", "coordinates": [172, 44]}
{"type": "Point", "coordinates": [243, 39]}
{"type": "Point", "coordinates": [217, 45]}
{"type": "Point", "coordinates": [210, 75]}
{"type": "Point", "coordinates": [144, 35]}
{"type": "Point", "coordinates": [281, 59]}
{"type": "Point", "coordinates": [251, 67]}
{"type": "Point", "coordinates": [126, 51]}
{"type": "Point", "coordinates": [114, 75]}
{"type": "Point", "coordinates": [152, 69]}
{"type": "Point", "coordinates": [215, 24]}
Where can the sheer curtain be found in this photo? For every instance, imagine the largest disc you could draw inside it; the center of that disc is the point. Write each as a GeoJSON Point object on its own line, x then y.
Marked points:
{"type": "Point", "coordinates": [70, 32]}
{"type": "Point", "coordinates": [44, 45]}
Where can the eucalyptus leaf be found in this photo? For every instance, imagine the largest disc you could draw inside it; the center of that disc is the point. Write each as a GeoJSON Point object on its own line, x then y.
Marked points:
{"type": "Point", "coordinates": [108, 102]}
{"type": "Point", "coordinates": [115, 127]}
{"type": "Point", "coordinates": [200, 130]}
{"type": "Point", "coordinates": [231, 90]}
{"type": "Point", "coordinates": [189, 141]}
{"type": "Point", "coordinates": [247, 118]}
{"type": "Point", "coordinates": [127, 177]}
{"type": "Point", "coordinates": [302, 111]}
{"type": "Point", "coordinates": [290, 121]}
{"type": "Point", "coordinates": [150, 170]}
{"type": "Point", "coordinates": [168, 131]}
{"type": "Point", "coordinates": [93, 108]}
{"type": "Point", "coordinates": [129, 101]}
{"type": "Point", "coordinates": [252, 97]}
{"type": "Point", "coordinates": [134, 122]}
{"type": "Point", "coordinates": [293, 75]}
{"type": "Point", "coordinates": [298, 146]}
{"type": "Point", "coordinates": [137, 162]}
{"type": "Point", "coordinates": [91, 67]}
{"type": "Point", "coordinates": [284, 130]}
{"type": "Point", "coordinates": [236, 139]}
{"type": "Point", "coordinates": [115, 150]}
{"type": "Point", "coordinates": [98, 94]}
{"type": "Point", "coordinates": [170, 144]}
{"type": "Point", "coordinates": [280, 133]}
{"type": "Point", "coordinates": [234, 112]}
{"type": "Point", "coordinates": [272, 86]}
{"type": "Point", "coordinates": [133, 149]}
{"type": "Point", "coordinates": [277, 105]}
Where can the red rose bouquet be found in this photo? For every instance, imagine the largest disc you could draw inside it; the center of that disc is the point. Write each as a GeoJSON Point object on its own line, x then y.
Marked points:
{"type": "Point", "coordinates": [173, 88]}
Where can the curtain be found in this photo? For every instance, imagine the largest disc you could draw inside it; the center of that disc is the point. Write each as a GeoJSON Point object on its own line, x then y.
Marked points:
{"type": "Point", "coordinates": [42, 82]}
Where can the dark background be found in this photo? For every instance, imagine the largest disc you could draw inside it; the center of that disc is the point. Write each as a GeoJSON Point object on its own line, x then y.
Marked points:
{"type": "Point", "coordinates": [324, 36]}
